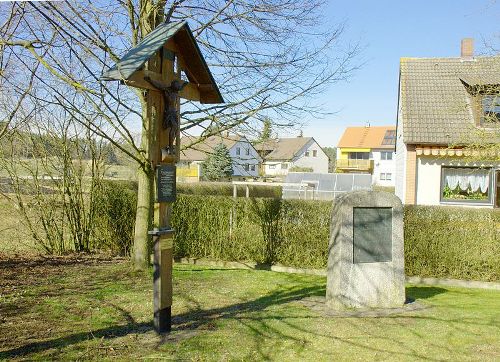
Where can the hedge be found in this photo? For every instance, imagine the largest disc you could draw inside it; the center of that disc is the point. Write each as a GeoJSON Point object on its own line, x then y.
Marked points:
{"type": "Point", "coordinates": [445, 242]}
{"type": "Point", "coordinates": [441, 242]}
{"type": "Point", "coordinates": [264, 230]}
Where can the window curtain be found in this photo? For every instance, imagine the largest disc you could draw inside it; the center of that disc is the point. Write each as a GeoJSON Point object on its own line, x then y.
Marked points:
{"type": "Point", "coordinates": [477, 179]}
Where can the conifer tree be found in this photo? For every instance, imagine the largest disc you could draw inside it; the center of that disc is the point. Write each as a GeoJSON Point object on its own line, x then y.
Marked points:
{"type": "Point", "coordinates": [218, 165]}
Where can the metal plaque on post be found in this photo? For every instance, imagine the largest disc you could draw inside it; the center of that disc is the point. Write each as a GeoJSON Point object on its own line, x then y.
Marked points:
{"type": "Point", "coordinates": [165, 184]}
{"type": "Point", "coordinates": [372, 234]}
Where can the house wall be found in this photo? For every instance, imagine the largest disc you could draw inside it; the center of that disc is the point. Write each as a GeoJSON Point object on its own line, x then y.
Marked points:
{"type": "Point", "coordinates": [274, 168]}
{"type": "Point", "coordinates": [239, 161]}
{"type": "Point", "coordinates": [383, 166]}
{"type": "Point", "coordinates": [428, 183]}
{"type": "Point", "coordinates": [343, 153]}
{"type": "Point", "coordinates": [319, 164]}
{"type": "Point", "coordinates": [188, 171]}
{"type": "Point", "coordinates": [400, 164]}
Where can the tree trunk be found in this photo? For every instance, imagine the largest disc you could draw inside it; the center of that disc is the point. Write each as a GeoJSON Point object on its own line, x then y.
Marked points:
{"type": "Point", "coordinates": [145, 189]}
{"type": "Point", "coordinates": [150, 16]}
{"type": "Point", "coordinates": [143, 219]}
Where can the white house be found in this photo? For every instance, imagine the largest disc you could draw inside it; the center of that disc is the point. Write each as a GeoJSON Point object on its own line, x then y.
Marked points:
{"type": "Point", "coordinates": [284, 154]}
{"type": "Point", "coordinates": [368, 150]}
{"type": "Point", "coordinates": [245, 158]}
{"type": "Point", "coordinates": [446, 104]}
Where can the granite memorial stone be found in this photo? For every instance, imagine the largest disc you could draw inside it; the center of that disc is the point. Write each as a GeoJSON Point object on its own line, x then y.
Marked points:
{"type": "Point", "coordinates": [366, 252]}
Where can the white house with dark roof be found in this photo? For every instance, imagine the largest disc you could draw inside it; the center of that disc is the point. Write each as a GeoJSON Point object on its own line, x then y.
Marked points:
{"type": "Point", "coordinates": [245, 158]}
{"type": "Point", "coordinates": [283, 154]}
{"type": "Point", "coordinates": [446, 104]}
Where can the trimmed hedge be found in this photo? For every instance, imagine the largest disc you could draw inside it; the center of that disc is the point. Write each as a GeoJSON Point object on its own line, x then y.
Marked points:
{"type": "Point", "coordinates": [441, 242]}
{"type": "Point", "coordinates": [264, 230]}
{"type": "Point", "coordinates": [445, 242]}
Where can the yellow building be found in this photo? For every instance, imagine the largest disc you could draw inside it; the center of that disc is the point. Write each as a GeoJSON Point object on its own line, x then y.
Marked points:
{"type": "Point", "coordinates": [368, 150]}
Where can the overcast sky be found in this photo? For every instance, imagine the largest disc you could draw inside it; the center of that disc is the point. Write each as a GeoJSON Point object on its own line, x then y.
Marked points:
{"type": "Point", "coordinates": [390, 30]}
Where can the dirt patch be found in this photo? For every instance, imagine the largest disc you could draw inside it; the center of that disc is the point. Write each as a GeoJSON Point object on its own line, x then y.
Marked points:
{"type": "Point", "coordinates": [17, 272]}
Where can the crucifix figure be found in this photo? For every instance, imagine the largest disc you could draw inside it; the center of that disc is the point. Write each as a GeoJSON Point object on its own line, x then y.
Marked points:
{"type": "Point", "coordinates": [170, 119]}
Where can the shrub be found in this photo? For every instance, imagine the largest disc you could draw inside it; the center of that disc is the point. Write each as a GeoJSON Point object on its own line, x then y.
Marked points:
{"type": "Point", "coordinates": [450, 242]}
{"type": "Point", "coordinates": [115, 216]}
{"type": "Point", "coordinates": [301, 169]}
{"type": "Point", "coordinates": [440, 242]}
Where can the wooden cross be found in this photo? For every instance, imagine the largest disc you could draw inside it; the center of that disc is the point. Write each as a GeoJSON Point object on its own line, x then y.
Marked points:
{"type": "Point", "coordinates": [158, 64]}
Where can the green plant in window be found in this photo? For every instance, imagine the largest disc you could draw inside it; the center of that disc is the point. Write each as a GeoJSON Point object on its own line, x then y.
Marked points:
{"type": "Point", "coordinates": [458, 194]}
{"type": "Point", "coordinates": [447, 192]}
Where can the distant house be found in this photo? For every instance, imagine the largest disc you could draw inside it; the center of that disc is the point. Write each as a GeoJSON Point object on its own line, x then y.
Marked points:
{"type": "Point", "coordinates": [281, 155]}
{"type": "Point", "coordinates": [368, 150]}
{"type": "Point", "coordinates": [443, 103]}
{"type": "Point", "coordinates": [245, 158]}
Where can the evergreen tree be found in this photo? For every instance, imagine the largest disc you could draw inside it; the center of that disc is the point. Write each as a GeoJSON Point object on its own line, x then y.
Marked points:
{"type": "Point", "coordinates": [266, 130]}
{"type": "Point", "coordinates": [331, 152]}
{"type": "Point", "coordinates": [218, 165]}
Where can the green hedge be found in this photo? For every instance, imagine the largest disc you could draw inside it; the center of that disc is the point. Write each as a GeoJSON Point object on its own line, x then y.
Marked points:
{"type": "Point", "coordinates": [447, 242]}
{"type": "Point", "coordinates": [264, 230]}
{"type": "Point", "coordinates": [441, 242]}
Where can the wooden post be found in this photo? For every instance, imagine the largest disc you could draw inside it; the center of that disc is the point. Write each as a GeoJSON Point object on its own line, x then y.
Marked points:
{"type": "Point", "coordinates": [164, 177]}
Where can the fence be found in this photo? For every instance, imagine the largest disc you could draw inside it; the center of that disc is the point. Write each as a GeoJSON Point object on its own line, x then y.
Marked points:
{"type": "Point", "coordinates": [318, 186]}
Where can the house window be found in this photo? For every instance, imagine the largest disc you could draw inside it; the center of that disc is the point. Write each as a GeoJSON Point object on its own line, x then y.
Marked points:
{"type": "Point", "coordinates": [315, 153]}
{"type": "Point", "coordinates": [384, 155]}
{"type": "Point", "coordinates": [247, 152]}
{"type": "Point", "coordinates": [465, 184]}
{"type": "Point", "coordinates": [490, 110]}
{"type": "Point", "coordinates": [388, 176]}
{"type": "Point", "coordinates": [307, 154]}
{"type": "Point", "coordinates": [272, 167]}
{"type": "Point", "coordinates": [389, 138]}
{"type": "Point", "coordinates": [359, 155]}
{"type": "Point", "coordinates": [252, 167]}
{"type": "Point", "coordinates": [246, 167]}
{"type": "Point", "coordinates": [382, 176]}
{"type": "Point", "coordinates": [238, 151]}
{"type": "Point", "coordinates": [284, 166]}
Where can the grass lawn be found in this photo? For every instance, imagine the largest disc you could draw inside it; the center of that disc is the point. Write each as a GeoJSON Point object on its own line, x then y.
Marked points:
{"type": "Point", "coordinates": [84, 308]}
{"type": "Point", "coordinates": [14, 237]}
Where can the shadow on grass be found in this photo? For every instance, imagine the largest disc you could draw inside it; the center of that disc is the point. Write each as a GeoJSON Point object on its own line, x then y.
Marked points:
{"type": "Point", "coordinates": [414, 293]}
{"type": "Point", "coordinates": [191, 320]}
{"type": "Point", "coordinates": [264, 326]}
{"type": "Point", "coordinates": [62, 342]}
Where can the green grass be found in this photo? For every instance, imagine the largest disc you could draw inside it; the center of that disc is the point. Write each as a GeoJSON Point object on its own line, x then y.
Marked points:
{"type": "Point", "coordinates": [84, 309]}
{"type": "Point", "coordinates": [13, 237]}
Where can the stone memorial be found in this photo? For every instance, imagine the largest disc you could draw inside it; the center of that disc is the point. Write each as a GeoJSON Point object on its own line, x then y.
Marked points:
{"type": "Point", "coordinates": [366, 252]}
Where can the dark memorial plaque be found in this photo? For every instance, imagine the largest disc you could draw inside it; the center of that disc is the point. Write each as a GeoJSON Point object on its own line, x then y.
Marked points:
{"type": "Point", "coordinates": [165, 182]}
{"type": "Point", "coordinates": [372, 234]}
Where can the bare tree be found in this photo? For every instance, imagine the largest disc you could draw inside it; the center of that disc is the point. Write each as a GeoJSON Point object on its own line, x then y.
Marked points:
{"type": "Point", "coordinates": [270, 59]}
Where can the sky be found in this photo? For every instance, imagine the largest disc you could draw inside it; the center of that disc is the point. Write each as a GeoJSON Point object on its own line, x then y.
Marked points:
{"type": "Point", "coordinates": [387, 31]}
